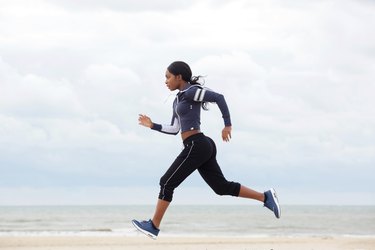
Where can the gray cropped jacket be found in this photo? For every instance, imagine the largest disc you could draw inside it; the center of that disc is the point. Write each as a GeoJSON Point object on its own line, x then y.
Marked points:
{"type": "Point", "coordinates": [187, 110]}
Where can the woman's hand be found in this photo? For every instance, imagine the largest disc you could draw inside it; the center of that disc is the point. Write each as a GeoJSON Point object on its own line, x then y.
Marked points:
{"type": "Point", "coordinates": [144, 120]}
{"type": "Point", "coordinates": [226, 133]}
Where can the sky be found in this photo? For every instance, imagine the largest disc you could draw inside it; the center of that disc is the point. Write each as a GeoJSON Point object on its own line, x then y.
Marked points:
{"type": "Point", "coordinates": [298, 77]}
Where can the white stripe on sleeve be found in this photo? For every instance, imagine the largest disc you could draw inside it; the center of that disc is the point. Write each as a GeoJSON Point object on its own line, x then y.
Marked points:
{"type": "Point", "coordinates": [197, 93]}
{"type": "Point", "coordinates": [203, 92]}
{"type": "Point", "coordinates": [174, 128]}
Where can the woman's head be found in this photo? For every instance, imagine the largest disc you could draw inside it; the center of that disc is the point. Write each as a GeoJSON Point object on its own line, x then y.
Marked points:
{"type": "Point", "coordinates": [180, 68]}
{"type": "Point", "coordinates": [179, 73]}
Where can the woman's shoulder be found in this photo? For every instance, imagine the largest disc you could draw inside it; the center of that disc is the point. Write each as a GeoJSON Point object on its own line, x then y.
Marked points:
{"type": "Point", "coordinates": [192, 90]}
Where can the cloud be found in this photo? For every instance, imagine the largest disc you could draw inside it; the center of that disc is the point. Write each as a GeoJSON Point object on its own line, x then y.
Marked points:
{"type": "Point", "coordinates": [125, 6]}
{"type": "Point", "coordinates": [37, 96]}
{"type": "Point", "coordinates": [298, 78]}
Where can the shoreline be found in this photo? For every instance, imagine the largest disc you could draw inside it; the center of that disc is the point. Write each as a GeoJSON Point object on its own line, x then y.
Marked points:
{"type": "Point", "coordinates": [142, 242]}
{"type": "Point", "coordinates": [134, 234]}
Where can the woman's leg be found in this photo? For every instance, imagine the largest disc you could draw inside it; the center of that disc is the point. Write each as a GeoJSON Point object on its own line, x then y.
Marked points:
{"type": "Point", "coordinates": [214, 177]}
{"type": "Point", "coordinates": [161, 208]}
{"type": "Point", "coordinates": [195, 153]}
{"type": "Point", "coordinates": [246, 192]}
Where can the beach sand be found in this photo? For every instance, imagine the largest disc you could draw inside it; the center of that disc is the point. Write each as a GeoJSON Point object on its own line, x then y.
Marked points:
{"type": "Point", "coordinates": [184, 243]}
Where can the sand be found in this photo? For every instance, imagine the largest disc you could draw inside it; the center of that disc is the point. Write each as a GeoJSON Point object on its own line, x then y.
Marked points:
{"type": "Point", "coordinates": [185, 243]}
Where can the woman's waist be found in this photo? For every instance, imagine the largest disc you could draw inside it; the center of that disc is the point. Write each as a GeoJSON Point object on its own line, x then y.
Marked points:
{"type": "Point", "coordinates": [191, 135]}
{"type": "Point", "coordinates": [189, 121]}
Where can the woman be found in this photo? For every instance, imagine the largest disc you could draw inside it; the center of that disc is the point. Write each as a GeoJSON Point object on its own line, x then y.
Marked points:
{"type": "Point", "coordinates": [199, 151]}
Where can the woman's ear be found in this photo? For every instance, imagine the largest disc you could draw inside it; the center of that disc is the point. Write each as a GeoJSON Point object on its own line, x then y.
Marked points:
{"type": "Point", "coordinates": [179, 77]}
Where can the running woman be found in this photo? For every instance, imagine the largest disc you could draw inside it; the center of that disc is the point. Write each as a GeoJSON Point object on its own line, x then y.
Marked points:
{"type": "Point", "coordinates": [199, 151]}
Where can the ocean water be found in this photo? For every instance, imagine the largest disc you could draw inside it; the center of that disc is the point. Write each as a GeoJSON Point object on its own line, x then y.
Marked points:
{"type": "Point", "coordinates": [241, 221]}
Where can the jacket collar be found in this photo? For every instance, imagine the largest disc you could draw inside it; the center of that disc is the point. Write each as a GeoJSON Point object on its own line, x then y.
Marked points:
{"type": "Point", "coordinates": [187, 87]}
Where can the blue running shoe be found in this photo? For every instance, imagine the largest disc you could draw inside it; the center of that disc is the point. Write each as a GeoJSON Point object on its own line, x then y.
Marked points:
{"type": "Point", "coordinates": [271, 202]}
{"type": "Point", "coordinates": [146, 227]}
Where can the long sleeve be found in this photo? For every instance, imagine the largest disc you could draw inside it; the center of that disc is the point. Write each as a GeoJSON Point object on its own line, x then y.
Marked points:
{"type": "Point", "coordinates": [172, 129]}
{"type": "Point", "coordinates": [199, 94]}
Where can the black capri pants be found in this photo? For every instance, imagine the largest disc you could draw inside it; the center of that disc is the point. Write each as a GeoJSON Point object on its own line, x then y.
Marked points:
{"type": "Point", "coordinates": [199, 153]}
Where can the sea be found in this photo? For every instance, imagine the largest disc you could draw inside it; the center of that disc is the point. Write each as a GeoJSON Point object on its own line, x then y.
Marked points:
{"type": "Point", "coordinates": [188, 220]}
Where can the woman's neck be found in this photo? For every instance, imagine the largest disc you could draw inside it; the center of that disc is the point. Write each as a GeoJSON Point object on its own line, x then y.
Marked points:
{"type": "Point", "coordinates": [184, 86]}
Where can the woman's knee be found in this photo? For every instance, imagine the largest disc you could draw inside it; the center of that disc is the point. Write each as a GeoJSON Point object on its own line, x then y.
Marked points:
{"type": "Point", "coordinates": [229, 188]}
{"type": "Point", "coordinates": [166, 191]}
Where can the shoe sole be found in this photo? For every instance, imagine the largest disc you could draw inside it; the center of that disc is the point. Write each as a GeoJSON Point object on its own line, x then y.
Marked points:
{"type": "Point", "coordinates": [276, 201]}
{"type": "Point", "coordinates": [152, 236]}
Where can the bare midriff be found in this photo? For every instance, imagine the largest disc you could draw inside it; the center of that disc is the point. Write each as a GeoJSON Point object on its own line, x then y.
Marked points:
{"type": "Point", "coordinates": [189, 133]}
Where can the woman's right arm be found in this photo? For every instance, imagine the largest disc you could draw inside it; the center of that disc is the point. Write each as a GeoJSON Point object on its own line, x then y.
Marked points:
{"type": "Point", "coordinates": [171, 129]}
{"type": "Point", "coordinates": [144, 120]}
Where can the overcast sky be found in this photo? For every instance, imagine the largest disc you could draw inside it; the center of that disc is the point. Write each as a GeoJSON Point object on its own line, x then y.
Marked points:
{"type": "Point", "coordinates": [298, 76]}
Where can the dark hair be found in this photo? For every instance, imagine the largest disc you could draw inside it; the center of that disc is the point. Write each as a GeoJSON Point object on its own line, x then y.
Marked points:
{"type": "Point", "coordinates": [183, 69]}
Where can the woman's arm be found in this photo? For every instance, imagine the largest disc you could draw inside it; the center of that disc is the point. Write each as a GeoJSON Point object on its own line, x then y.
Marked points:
{"type": "Point", "coordinates": [144, 120]}
{"type": "Point", "coordinates": [171, 129]}
{"type": "Point", "coordinates": [199, 94]}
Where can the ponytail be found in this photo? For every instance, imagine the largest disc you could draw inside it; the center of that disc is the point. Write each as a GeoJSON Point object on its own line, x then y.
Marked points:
{"type": "Point", "coordinates": [195, 81]}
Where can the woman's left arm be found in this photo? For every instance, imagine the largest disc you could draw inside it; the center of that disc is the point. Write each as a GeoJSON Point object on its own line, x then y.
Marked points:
{"type": "Point", "coordinates": [226, 133]}
{"type": "Point", "coordinates": [204, 95]}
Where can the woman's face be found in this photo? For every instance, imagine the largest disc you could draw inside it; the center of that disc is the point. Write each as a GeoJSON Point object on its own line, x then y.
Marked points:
{"type": "Point", "coordinates": [173, 82]}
